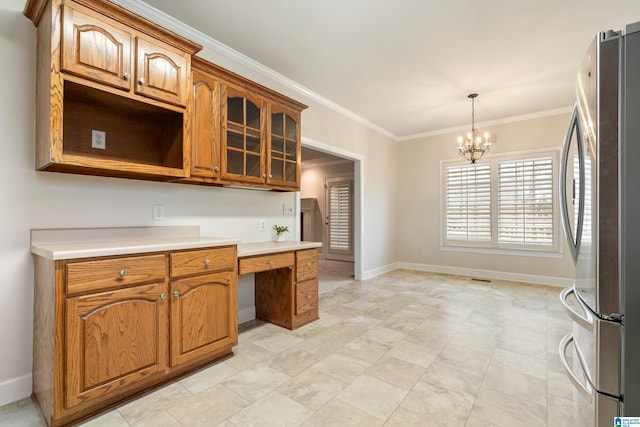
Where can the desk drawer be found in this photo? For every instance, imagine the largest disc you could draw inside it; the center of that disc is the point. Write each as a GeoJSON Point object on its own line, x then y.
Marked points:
{"type": "Point", "coordinates": [266, 262]}
{"type": "Point", "coordinates": [88, 276]}
{"type": "Point", "coordinates": [203, 261]}
{"type": "Point", "coordinates": [306, 264]}
{"type": "Point", "coordinates": [306, 296]}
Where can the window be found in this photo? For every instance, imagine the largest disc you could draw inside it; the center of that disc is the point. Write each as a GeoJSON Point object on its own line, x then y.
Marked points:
{"type": "Point", "coordinates": [505, 202]}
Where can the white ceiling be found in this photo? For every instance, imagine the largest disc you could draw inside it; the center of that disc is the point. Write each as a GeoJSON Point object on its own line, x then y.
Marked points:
{"type": "Point", "coordinates": [407, 66]}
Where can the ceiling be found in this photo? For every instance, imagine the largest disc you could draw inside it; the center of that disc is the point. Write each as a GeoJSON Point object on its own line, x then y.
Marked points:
{"type": "Point", "coordinates": [406, 66]}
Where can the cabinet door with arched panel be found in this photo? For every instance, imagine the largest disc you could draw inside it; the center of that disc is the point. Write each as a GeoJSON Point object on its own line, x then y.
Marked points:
{"type": "Point", "coordinates": [283, 153]}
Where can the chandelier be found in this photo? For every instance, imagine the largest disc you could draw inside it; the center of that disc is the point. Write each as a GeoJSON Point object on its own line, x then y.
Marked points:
{"type": "Point", "coordinates": [474, 146]}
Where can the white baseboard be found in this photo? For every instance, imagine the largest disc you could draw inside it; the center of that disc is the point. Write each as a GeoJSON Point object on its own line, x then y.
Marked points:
{"type": "Point", "coordinates": [369, 274]}
{"type": "Point", "coordinates": [489, 274]}
{"type": "Point", "coordinates": [246, 314]}
{"type": "Point", "coordinates": [15, 389]}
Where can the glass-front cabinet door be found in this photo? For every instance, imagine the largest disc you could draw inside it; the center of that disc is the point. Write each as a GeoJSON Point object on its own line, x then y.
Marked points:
{"type": "Point", "coordinates": [242, 137]}
{"type": "Point", "coordinates": [283, 160]}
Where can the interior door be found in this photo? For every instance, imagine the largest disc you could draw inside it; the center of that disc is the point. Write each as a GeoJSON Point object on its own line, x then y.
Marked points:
{"type": "Point", "coordinates": [339, 218]}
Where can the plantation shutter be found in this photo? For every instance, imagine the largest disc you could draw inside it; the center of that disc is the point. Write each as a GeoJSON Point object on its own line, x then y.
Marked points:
{"type": "Point", "coordinates": [468, 200]}
{"type": "Point", "coordinates": [525, 201]}
{"type": "Point", "coordinates": [340, 216]}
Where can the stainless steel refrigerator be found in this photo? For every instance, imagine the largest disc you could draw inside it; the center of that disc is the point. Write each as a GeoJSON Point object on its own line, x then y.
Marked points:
{"type": "Point", "coordinates": [600, 200]}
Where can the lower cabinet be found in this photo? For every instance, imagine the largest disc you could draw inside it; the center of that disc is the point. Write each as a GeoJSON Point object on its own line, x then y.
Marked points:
{"type": "Point", "coordinates": [128, 326]}
{"type": "Point", "coordinates": [201, 321]}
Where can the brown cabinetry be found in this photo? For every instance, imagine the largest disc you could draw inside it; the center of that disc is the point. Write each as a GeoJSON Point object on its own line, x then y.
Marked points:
{"type": "Point", "coordinates": [112, 91]}
{"type": "Point", "coordinates": [286, 286]}
{"type": "Point", "coordinates": [108, 328]}
{"type": "Point", "coordinates": [242, 133]}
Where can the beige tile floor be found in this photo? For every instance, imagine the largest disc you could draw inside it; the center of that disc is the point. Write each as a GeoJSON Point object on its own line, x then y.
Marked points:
{"type": "Point", "coordinates": [402, 349]}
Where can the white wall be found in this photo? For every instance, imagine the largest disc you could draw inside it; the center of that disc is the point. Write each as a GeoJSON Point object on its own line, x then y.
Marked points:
{"type": "Point", "coordinates": [419, 205]}
{"type": "Point", "coordinates": [31, 199]}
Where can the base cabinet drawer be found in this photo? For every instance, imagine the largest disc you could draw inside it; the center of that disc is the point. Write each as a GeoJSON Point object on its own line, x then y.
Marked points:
{"type": "Point", "coordinates": [266, 262]}
{"type": "Point", "coordinates": [306, 296]}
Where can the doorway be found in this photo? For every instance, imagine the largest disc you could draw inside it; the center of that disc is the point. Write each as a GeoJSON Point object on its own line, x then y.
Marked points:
{"type": "Point", "coordinates": [330, 211]}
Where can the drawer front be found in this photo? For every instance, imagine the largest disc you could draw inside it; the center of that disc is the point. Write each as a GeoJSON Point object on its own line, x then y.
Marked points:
{"type": "Point", "coordinates": [306, 296]}
{"type": "Point", "coordinates": [306, 264]}
{"type": "Point", "coordinates": [88, 276]}
{"type": "Point", "coordinates": [266, 262]}
{"type": "Point", "coordinates": [203, 261]}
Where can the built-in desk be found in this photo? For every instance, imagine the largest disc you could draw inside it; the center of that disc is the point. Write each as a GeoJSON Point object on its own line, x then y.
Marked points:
{"type": "Point", "coordinates": [286, 280]}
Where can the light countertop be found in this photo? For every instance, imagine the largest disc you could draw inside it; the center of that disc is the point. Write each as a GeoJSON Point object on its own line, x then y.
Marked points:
{"type": "Point", "coordinates": [262, 248]}
{"type": "Point", "coordinates": [83, 243]}
{"type": "Point", "coordinates": [58, 244]}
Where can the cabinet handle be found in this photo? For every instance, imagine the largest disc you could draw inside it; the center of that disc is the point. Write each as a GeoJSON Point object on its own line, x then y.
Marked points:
{"type": "Point", "coordinates": [126, 76]}
{"type": "Point", "coordinates": [207, 261]}
{"type": "Point", "coordinates": [270, 263]}
{"type": "Point", "coordinates": [141, 80]}
{"type": "Point", "coordinates": [123, 272]}
{"type": "Point", "coordinates": [163, 295]}
{"type": "Point", "coordinates": [176, 293]}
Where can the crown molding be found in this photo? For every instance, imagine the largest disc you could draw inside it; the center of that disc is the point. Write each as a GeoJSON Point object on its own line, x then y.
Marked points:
{"type": "Point", "coordinates": [180, 28]}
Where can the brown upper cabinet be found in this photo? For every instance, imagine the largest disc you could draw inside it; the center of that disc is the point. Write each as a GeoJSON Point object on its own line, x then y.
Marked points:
{"type": "Point", "coordinates": [242, 133]}
{"type": "Point", "coordinates": [120, 96]}
{"type": "Point", "coordinates": [112, 91]}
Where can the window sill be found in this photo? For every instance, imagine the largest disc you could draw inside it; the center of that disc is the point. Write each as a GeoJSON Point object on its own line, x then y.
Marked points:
{"type": "Point", "coordinates": [506, 252]}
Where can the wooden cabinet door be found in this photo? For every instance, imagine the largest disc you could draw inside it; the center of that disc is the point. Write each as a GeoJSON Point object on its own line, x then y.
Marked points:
{"type": "Point", "coordinates": [283, 159]}
{"type": "Point", "coordinates": [96, 48]}
{"type": "Point", "coordinates": [243, 124]}
{"type": "Point", "coordinates": [205, 126]}
{"type": "Point", "coordinates": [113, 340]}
{"type": "Point", "coordinates": [204, 316]}
{"type": "Point", "coordinates": [161, 72]}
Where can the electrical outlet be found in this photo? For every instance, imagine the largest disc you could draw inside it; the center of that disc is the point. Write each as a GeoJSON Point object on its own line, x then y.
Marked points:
{"type": "Point", "coordinates": [98, 139]}
{"type": "Point", "coordinates": [158, 212]}
{"type": "Point", "coordinates": [287, 209]}
{"type": "Point", "coordinates": [263, 225]}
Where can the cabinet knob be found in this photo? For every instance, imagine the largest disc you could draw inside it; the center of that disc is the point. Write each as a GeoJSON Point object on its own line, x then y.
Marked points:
{"type": "Point", "coordinates": [123, 272]}
{"type": "Point", "coordinates": [176, 293]}
{"type": "Point", "coordinates": [309, 264]}
{"type": "Point", "coordinates": [207, 261]}
{"type": "Point", "coordinates": [126, 76]}
{"type": "Point", "coordinates": [163, 295]}
{"type": "Point", "coordinates": [270, 263]}
{"type": "Point", "coordinates": [270, 176]}
{"type": "Point", "coordinates": [216, 168]}
{"type": "Point", "coordinates": [264, 175]}
{"type": "Point", "coordinates": [309, 296]}
{"type": "Point", "coordinates": [141, 80]}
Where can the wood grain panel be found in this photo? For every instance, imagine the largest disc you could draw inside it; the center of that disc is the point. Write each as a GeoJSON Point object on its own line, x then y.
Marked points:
{"type": "Point", "coordinates": [274, 296]}
{"type": "Point", "coordinates": [162, 72]}
{"type": "Point", "coordinates": [203, 316]}
{"type": "Point", "coordinates": [205, 125]}
{"type": "Point", "coordinates": [306, 264]}
{"type": "Point", "coordinates": [108, 273]}
{"type": "Point", "coordinates": [97, 48]}
{"type": "Point", "coordinates": [265, 262]}
{"type": "Point", "coordinates": [203, 261]}
{"type": "Point", "coordinates": [307, 296]}
{"type": "Point", "coordinates": [113, 340]}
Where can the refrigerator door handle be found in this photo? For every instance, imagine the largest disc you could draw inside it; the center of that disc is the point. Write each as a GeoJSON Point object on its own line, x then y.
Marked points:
{"type": "Point", "coordinates": [586, 320]}
{"type": "Point", "coordinates": [585, 387]}
{"type": "Point", "coordinates": [574, 240]}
